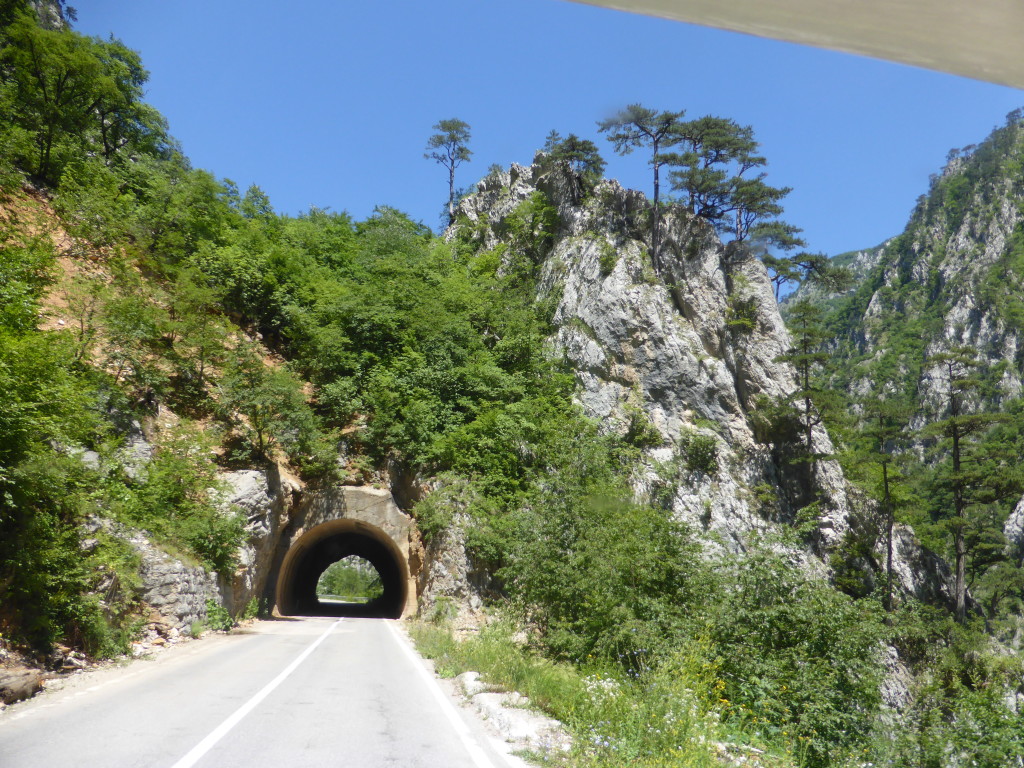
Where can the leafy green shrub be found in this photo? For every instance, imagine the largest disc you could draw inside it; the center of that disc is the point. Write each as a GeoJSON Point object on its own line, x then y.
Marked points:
{"type": "Point", "coordinates": [700, 452]}
{"type": "Point", "coordinates": [532, 226]}
{"type": "Point", "coordinates": [443, 611]}
{"type": "Point", "coordinates": [25, 270]}
{"type": "Point", "coordinates": [47, 403]}
{"type": "Point", "coordinates": [798, 655]}
{"type": "Point", "coordinates": [435, 512]}
{"type": "Point", "coordinates": [176, 501]}
{"type": "Point", "coordinates": [601, 576]}
{"type": "Point", "coordinates": [640, 430]}
{"type": "Point", "coordinates": [608, 257]}
{"type": "Point", "coordinates": [217, 616]}
{"type": "Point", "coordinates": [741, 314]}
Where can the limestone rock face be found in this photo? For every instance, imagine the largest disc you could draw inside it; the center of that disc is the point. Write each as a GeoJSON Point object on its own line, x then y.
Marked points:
{"type": "Point", "coordinates": [692, 343]}
{"type": "Point", "coordinates": [1013, 529]}
{"type": "Point", "coordinates": [266, 497]}
{"type": "Point", "coordinates": [447, 582]}
{"type": "Point", "coordinates": [923, 574]}
{"type": "Point", "coordinates": [953, 276]}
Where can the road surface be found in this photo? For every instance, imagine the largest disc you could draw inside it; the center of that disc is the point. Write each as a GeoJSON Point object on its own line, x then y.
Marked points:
{"type": "Point", "coordinates": [296, 693]}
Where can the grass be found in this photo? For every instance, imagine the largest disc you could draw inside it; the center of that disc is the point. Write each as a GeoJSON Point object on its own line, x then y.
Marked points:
{"type": "Point", "coordinates": [664, 717]}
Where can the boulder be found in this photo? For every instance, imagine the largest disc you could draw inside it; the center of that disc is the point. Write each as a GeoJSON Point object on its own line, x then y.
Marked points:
{"type": "Point", "coordinates": [19, 683]}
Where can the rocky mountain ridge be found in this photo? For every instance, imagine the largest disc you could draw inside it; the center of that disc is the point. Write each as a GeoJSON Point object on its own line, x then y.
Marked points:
{"type": "Point", "coordinates": [693, 351]}
{"type": "Point", "coordinates": [950, 281]}
{"type": "Point", "coordinates": [952, 273]}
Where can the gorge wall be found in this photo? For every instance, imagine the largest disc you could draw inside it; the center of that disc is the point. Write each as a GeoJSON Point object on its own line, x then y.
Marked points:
{"type": "Point", "coordinates": [691, 352]}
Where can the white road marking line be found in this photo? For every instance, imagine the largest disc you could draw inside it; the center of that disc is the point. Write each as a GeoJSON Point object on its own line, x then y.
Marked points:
{"type": "Point", "coordinates": [221, 730]}
{"type": "Point", "coordinates": [476, 752]}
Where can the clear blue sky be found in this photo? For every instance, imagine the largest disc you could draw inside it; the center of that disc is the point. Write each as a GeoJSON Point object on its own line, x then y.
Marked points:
{"type": "Point", "coordinates": [330, 102]}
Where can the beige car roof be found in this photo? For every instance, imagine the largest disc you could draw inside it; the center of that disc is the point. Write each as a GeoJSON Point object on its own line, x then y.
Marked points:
{"type": "Point", "coordinates": [981, 39]}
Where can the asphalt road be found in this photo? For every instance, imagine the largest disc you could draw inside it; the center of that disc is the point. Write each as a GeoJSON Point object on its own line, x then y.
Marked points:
{"type": "Point", "coordinates": [308, 692]}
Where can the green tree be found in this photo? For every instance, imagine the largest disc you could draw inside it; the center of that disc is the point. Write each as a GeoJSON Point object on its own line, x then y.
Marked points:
{"type": "Point", "coordinates": [978, 472]}
{"type": "Point", "coordinates": [885, 425]}
{"type": "Point", "coordinates": [57, 75]}
{"type": "Point", "coordinates": [815, 268]}
{"type": "Point", "coordinates": [196, 327]}
{"type": "Point", "coordinates": [637, 126]}
{"type": "Point", "coordinates": [25, 268]}
{"type": "Point", "coordinates": [45, 403]}
{"type": "Point", "coordinates": [267, 406]}
{"type": "Point", "coordinates": [449, 147]}
{"type": "Point", "coordinates": [131, 320]}
{"type": "Point", "coordinates": [806, 356]}
{"type": "Point", "coordinates": [716, 156]}
{"type": "Point", "coordinates": [581, 155]}
{"type": "Point", "coordinates": [74, 92]}
{"type": "Point", "coordinates": [123, 120]}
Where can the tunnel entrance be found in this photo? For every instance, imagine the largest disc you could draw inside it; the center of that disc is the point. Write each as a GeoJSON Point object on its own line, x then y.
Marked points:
{"type": "Point", "coordinates": [311, 562]}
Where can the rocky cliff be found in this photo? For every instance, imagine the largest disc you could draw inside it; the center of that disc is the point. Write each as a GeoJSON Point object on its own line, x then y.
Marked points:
{"type": "Point", "coordinates": [691, 350]}
{"type": "Point", "coordinates": [951, 280]}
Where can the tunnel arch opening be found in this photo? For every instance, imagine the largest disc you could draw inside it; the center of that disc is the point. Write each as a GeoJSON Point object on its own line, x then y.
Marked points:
{"type": "Point", "coordinates": [320, 547]}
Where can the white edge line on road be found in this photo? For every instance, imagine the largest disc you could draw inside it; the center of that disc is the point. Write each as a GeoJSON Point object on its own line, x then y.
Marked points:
{"type": "Point", "coordinates": [476, 752]}
{"type": "Point", "coordinates": [218, 733]}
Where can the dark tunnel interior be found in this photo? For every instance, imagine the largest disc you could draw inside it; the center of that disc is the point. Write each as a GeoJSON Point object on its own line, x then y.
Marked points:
{"type": "Point", "coordinates": [298, 596]}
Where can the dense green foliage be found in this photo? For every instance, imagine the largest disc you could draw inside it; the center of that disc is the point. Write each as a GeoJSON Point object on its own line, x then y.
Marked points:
{"type": "Point", "coordinates": [934, 436]}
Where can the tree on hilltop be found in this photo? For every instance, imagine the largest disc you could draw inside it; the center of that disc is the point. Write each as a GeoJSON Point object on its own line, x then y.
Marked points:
{"type": "Point", "coordinates": [717, 154]}
{"type": "Point", "coordinates": [581, 155]}
{"type": "Point", "coordinates": [449, 147]}
{"type": "Point", "coordinates": [637, 126]}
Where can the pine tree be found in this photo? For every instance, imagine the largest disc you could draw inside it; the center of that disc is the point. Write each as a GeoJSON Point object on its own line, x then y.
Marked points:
{"type": "Point", "coordinates": [637, 126]}
{"type": "Point", "coordinates": [449, 147]}
{"type": "Point", "coordinates": [717, 156]}
{"type": "Point", "coordinates": [806, 356]}
{"type": "Point", "coordinates": [978, 472]}
{"type": "Point", "coordinates": [581, 155]}
{"type": "Point", "coordinates": [885, 428]}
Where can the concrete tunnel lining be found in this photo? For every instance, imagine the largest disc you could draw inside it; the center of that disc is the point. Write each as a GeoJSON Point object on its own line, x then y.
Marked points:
{"type": "Point", "coordinates": [329, 542]}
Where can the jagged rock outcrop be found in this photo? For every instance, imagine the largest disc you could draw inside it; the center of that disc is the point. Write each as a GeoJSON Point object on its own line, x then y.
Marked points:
{"type": "Point", "coordinates": [694, 349]}
{"type": "Point", "coordinates": [448, 586]}
{"type": "Point", "coordinates": [1013, 530]}
{"type": "Point", "coordinates": [952, 278]}
{"type": "Point", "coordinates": [266, 497]}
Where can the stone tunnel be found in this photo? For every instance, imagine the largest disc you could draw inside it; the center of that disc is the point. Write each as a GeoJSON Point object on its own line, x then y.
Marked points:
{"type": "Point", "coordinates": [335, 523]}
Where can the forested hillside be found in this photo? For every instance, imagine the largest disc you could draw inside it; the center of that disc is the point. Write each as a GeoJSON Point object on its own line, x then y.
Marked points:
{"type": "Point", "coordinates": [587, 400]}
{"type": "Point", "coordinates": [927, 345]}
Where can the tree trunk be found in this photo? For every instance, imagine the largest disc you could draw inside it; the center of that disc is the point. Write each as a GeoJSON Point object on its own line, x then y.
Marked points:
{"type": "Point", "coordinates": [809, 435]}
{"type": "Point", "coordinates": [656, 220]}
{"type": "Point", "coordinates": [889, 524]}
{"type": "Point", "coordinates": [959, 545]}
{"type": "Point", "coordinates": [451, 194]}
